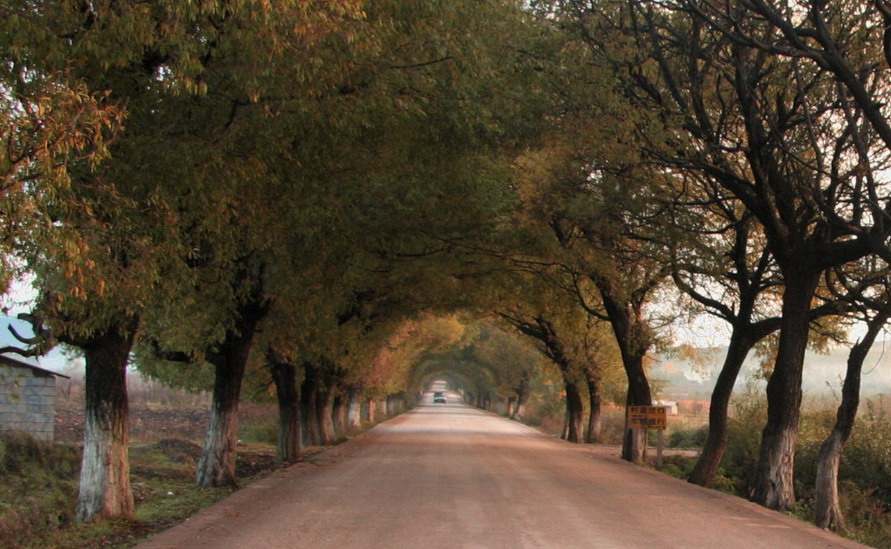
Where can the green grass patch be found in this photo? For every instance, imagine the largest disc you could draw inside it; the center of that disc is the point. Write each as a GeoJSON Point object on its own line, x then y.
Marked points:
{"type": "Point", "coordinates": [39, 492]}
{"type": "Point", "coordinates": [166, 503]}
{"type": "Point", "coordinates": [262, 431]}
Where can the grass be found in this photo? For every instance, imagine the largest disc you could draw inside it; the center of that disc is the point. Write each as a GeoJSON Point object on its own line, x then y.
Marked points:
{"type": "Point", "coordinates": [38, 495]}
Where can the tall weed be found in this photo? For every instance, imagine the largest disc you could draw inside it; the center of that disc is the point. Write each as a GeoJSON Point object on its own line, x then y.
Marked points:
{"type": "Point", "coordinates": [744, 439]}
{"type": "Point", "coordinates": [39, 488]}
{"type": "Point", "coordinates": [864, 475]}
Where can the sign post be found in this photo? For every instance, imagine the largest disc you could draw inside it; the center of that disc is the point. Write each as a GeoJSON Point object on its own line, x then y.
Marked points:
{"type": "Point", "coordinates": [650, 417]}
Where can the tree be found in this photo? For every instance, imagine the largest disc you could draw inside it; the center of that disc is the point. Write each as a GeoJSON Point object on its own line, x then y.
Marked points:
{"type": "Point", "coordinates": [766, 129]}
{"type": "Point", "coordinates": [284, 375]}
{"type": "Point", "coordinates": [383, 106]}
{"type": "Point", "coordinates": [865, 289]}
{"type": "Point", "coordinates": [54, 124]}
{"type": "Point", "coordinates": [594, 216]}
{"type": "Point", "coordinates": [105, 238]}
{"type": "Point", "coordinates": [558, 336]}
{"type": "Point", "coordinates": [598, 207]}
{"type": "Point", "coordinates": [513, 363]}
{"type": "Point", "coordinates": [729, 273]}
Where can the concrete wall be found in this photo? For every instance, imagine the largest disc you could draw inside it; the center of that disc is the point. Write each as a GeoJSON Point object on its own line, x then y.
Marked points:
{"type": "Point", "coordinates": [27, 401]}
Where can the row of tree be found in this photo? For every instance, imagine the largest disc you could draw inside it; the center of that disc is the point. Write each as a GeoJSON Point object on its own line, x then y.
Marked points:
{"type": "Point", "coordinates": [744, 161]}
{"type": "Point", "coordinates": [244, 187]}
{"type": "Point", "coordinates": [275, 190]}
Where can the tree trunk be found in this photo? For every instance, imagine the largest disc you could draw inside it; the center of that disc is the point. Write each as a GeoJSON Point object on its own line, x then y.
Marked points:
{"type": "Point", "coordinates": [399, 402]}
{"type": "Point", "coordinates": [354, 410]}
{"type": "Point", "coordinates": [324, 406]}
{"type": "Point", "coordinates": [574, 411]}
{"type": "Point", "coordinates": [105, 470]}
{"type": "Point", "coordinates": [520, 409]}
{"type": "Point", "coordinates": [709, 460]}
{"type": "Point", "coordinates": [217, 464]}
{"type": "Point", "coordinates": [556, 351]}
{"type": "Point", "coordinates": [308, 395]}
{"type": "Point", "coordinates": [630, 330]}
{"type": "Point", "coordinates": [522, 390]}
{"type": "Point", "coordinates": [338, 414]}
{"type": "Point", "coordinates": [285, 378]}
{"type": "Point", "coordinates": [773, 485]}
{"type": "Point", "coordinates": [370, 410]}
{"type": "Point", "coordinates": [828, 510]}
{"type": "Point", "coordinates": [634, 443]}
{"type": "Point", "coordinates": [592, 379]}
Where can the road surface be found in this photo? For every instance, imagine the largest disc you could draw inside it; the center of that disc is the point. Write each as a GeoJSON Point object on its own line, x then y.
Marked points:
{"type": "Point", "coordinates": [451, 476]}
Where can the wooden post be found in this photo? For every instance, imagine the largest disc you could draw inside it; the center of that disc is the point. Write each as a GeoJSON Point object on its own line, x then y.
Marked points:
{"type": "Point", "coordinates": [649, 417]}
{"type": "Point", "coordinates": [660, 441]}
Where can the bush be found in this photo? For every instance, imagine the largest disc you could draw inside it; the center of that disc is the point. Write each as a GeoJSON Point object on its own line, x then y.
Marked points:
{"type": "Point", "coordinates": [867, 457]}
{"type": "Point", "coordinates": [546, 410]}
{"type": "Point", "coordinates": [678, 466]}
{"type": "Point", "coordinates": [744, 438]}
{"type": "Point", "coordinates": [867, 518]}
{"type": "Point", "coordinates": [687, 437]}
{"type": "Point", "coordinates": [864, 477]}
{"type": "Point", "coordinates": [613, 427]}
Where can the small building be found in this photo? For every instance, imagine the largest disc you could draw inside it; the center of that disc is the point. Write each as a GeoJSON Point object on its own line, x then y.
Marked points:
{"type": "Point", "coordinates": [27, 398]}
{"type": "Point", "coordinates": [671, 406]}
{"type": "Point", "coordinates": [27, 392]}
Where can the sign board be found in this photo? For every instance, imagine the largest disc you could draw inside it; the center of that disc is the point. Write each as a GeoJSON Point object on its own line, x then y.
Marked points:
{"type": "Point", "coordinates": [647, 417]}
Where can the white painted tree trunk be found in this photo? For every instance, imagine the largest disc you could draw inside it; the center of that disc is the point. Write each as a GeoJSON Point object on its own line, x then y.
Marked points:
{"type": "Point", "coordinates": [354, 411]}
{"type": "Point", "coordinates": [105, 470]}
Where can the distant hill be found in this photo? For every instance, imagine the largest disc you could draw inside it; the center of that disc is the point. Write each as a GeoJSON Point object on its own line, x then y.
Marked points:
{"type": "Point", "coordinates": [693, 374]}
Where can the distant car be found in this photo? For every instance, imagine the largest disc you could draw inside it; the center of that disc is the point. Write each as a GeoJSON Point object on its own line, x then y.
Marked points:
{"type": "Point", "coordinates": [439, 397]}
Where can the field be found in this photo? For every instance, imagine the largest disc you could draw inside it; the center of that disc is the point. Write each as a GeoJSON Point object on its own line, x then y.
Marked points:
{"type": "Point", "coordinates": [37, 500]}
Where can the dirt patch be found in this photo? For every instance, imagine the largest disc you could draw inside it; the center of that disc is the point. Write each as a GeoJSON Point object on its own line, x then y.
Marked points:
{"type": "Point", "coordinates": [255, 460]}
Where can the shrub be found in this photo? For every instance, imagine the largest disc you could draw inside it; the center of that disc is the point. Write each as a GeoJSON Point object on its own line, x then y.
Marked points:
{"type": "Point", "coordinates": [867, 457]}
{"type": "Point", "coordinates": [744, 438]}
{"type": "Point", "coordinates": [864, 476]}
{"type": "Point", "coordinates": [678, 466]}
{"type": "Point", "coordinates": [867, 518]}
{"type": "Point", "coordinates": [687, 437]}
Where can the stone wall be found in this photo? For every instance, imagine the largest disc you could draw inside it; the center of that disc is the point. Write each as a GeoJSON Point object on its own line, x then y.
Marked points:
{"type": "Point", "coordinates": [27, 401]}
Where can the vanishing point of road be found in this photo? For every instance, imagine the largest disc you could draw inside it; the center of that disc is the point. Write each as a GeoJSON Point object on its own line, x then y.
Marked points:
{"type": "Point", "coordinates": [451, 476]}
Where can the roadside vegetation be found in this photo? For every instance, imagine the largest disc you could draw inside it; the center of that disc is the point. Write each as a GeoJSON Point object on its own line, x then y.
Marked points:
{"type": "Point", "coordinates": [40, 484]}
{"type": "Point", "coordinates": [864, 476]}
{"type": "Point", "coordinates": [38, 495]}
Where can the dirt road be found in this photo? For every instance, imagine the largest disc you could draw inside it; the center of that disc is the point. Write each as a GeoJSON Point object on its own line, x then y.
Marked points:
{"type": "Point", "coordinates": [450, 476]}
